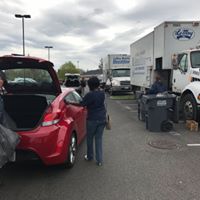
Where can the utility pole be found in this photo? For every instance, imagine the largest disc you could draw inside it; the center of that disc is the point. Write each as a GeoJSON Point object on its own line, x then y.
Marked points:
{"type": "Point", "coordinates": [23, 37]}
{"type": "Point", "coordinates": [48, 47]}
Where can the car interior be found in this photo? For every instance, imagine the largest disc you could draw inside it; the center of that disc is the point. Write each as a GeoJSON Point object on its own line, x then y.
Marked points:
{"type": "Point", "coordinates": [25, 110]}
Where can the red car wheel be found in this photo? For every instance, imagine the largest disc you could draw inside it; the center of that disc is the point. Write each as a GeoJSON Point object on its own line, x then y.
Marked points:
{"type": "Point", "coordinates": [71, 157]}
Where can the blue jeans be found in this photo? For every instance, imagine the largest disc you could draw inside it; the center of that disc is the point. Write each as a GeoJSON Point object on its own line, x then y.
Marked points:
{"type": "Point", "coordinates": [95, 131]}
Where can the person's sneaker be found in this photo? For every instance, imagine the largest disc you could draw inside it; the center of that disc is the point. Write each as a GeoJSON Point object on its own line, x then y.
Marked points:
{"type": "Point", "coordinates": [86, 158]}
{"type": "Point", "coordinates": [99, 164]}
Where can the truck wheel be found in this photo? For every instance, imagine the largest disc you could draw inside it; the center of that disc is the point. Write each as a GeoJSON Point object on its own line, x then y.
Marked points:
{"type": "Point", "coordinates": [189, 107]}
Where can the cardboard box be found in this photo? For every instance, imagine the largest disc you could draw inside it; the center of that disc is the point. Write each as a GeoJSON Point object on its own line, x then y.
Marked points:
{"type": "Point", "coordinates": [192, 125]}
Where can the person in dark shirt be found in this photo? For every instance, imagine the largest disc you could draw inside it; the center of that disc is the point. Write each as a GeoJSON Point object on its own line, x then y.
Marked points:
{"type": "Point", "coordinates": [158, 86]}
{"type": "Point", "coordinates": [96, 119]}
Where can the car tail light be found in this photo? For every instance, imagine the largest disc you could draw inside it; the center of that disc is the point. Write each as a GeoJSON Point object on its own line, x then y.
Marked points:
{"type": "Point", "coordinates": [51, 117]}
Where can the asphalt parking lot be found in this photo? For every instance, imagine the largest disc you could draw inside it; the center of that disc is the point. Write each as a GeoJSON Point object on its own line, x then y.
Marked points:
{"type": "Point", "coordinates": [133, 168]}
{"type": "Point", "coordinates": [179, 130]}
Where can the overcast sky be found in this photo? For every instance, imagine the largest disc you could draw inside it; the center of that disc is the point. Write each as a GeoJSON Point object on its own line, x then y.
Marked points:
{"type": "Point", "coordinates": [85, 30]}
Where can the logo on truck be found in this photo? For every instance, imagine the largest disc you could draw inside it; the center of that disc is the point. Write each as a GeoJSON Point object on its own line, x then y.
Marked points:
{"type": "Point", "coordinates": [183, 34]}
{"type": "Point", "coordinates": [121, 60]}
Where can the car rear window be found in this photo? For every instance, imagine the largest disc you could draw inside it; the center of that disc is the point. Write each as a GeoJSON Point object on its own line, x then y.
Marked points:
{"type": "Point", "coordinates": [27, 76]}
{"type": "Point", "coordinates": [38, 80]}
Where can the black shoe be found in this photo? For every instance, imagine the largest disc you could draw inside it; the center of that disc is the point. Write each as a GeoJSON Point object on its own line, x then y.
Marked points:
{"type": "Point", "coordinates": [99, 164]}
{"type": "Point", "coordinates": [86, 158]}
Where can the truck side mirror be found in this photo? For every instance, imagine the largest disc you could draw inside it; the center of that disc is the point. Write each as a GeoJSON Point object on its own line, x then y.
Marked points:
{"type": "Point", "coordinates": [175, 61]}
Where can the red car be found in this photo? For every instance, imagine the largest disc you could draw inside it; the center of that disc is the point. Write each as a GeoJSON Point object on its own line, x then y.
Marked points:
{"type": "Point", "coordinates": [50, 121]}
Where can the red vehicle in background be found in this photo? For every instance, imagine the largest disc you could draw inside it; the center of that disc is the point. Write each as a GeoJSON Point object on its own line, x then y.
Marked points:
{"type": "Point", "coordinates": [51, 123]}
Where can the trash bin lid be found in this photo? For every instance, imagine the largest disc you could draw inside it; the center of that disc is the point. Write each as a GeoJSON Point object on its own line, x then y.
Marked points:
{"type": "Point", "coordinates": [158, 100]}
{"type": "Point", "coordinates": [158, 96]}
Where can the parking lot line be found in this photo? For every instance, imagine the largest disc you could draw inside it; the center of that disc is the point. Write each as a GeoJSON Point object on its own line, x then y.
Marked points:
{"type": "Point", "coordinates": [193, 145]}
{"type": "Point", "coordinates": [128, 108]}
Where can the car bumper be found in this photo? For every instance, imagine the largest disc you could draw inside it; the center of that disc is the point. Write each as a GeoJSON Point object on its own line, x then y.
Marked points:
{"type": "Point", "coordinates": [126, 88]}
{"type": "Point", "coordinates": [48, 143]}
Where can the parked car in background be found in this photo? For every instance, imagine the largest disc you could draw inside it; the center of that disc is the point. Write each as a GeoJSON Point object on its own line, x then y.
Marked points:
{"type": "Point", "coordinates": [22, 80]}
{"type": "Point", "coordinates": [50, 122]}
{"type": "Point", "coordinates": [73, 81]}
{"type": "Point", "coordinates": [100, 77]}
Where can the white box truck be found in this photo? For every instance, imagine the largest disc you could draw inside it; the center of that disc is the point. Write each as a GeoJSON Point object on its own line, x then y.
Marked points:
{"type": "Point", "coordinates": [172, 51]}
{"type": "Point", "coordinates": [116, 73]}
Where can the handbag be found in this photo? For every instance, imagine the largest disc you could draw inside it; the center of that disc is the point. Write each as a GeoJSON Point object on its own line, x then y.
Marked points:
{"type": "Point", "coordinates": [108, 123]}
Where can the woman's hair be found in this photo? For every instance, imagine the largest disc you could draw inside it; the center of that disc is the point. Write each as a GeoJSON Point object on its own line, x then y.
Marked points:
{"type": "Point", "coordinates": [93, 83]}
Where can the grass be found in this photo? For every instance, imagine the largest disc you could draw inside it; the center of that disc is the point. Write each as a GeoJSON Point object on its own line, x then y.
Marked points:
{"type": "Point", "coordinates": [123, 97]}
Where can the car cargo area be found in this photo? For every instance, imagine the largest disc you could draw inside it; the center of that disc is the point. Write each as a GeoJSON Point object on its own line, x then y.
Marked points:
{"type": "Point", "coordinates": [25, 110]}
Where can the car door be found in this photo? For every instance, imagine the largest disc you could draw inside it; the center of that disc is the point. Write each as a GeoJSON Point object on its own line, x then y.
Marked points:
{"type": "Point", "coordinates": [82, 112]}
{"type": "Point", "coordinates": [76, 112]}
{"type": "Point", "coordinates": [181, 75]}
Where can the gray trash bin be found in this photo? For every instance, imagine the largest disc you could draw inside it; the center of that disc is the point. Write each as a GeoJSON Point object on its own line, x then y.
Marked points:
{"type": "Point", "coordinates": [141, 110]}
{"type": "Point", "coordinates": [157, 108]}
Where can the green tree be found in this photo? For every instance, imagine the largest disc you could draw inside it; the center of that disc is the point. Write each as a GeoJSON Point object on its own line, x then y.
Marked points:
{"type": "Point", "coordinates": [68, 67]}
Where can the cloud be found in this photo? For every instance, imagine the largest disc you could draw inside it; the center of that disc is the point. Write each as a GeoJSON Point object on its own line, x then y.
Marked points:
{"type": "Point", "coordinates": [10, 7]}
{"type": "Point", "coordinates": [59, 23]}
{"type": "Point", "coordinates": [120, 44]}
{"type": "Point", "coordinates": [85, 30]}
{"type": "Point", "coordinates": [156, 10]}
{"type": "Point", "coordinates": [106, 5]}
{"type": "Point", "coordinates": [98, 11]}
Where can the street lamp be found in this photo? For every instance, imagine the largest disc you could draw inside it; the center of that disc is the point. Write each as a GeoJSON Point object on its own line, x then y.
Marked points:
{"type": "Point", "coordinates": [22, 17]}
{"type": "Point", "coordinates": [77, 63]}
{"type": "Point", "coordinates": [48, 47]}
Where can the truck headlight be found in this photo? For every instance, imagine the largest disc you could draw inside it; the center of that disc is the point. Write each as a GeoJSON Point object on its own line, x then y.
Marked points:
{"type": "Point", "coordinates": [115, 83]}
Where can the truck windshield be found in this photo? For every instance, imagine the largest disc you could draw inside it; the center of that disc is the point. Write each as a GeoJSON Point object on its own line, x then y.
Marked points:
{"type": "Point", "coordinates": [121, 73]}
{"type": "Point", "coordinates": [195, 59]}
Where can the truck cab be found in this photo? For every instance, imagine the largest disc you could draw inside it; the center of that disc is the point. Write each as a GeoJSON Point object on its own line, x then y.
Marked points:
{"type": "Point", "coordinates": [186, 81]}
{"type": "Point", "coordinates": [116, 73]}
{"type": "Point", "coordinates": [119, 80]}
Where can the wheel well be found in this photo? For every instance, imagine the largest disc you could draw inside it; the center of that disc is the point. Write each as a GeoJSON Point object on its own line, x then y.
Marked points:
{"type": "Point", "coordinates": [186, 93]}
{"type": "Point", "coordinates": [74, 132]}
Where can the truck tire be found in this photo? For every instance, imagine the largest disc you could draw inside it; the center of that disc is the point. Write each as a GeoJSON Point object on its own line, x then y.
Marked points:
{"type": "Point", "coordinates": [189, 107]}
